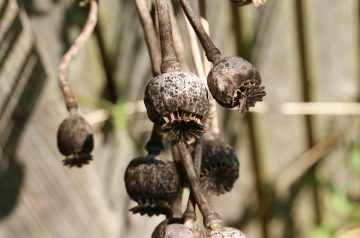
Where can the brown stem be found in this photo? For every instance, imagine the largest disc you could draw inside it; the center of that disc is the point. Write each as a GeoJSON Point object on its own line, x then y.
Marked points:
{"type": "Point", "coordinates": [169, 61]}
{"type": "Point", "coordinates": [85, 34]}
{"type": "Point", "coordinates": [190, 209]}
{"type": "Point", "coordinates": [211, 219]}
{"type": "Point", "coordinates": [178, 42]}
{"type": "Point", "coordinates": [151, 37]}
{"type": "Point", "coordinates": [212, 53]}
{"type": "Point", "coordinates": [154, 146]}
{"type": "Point", "coordinates": [213, 115]}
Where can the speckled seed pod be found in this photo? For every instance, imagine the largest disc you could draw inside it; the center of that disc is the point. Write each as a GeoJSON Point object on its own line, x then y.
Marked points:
{"type": "Point", "coordinates": [153, 184]}
{"type": "Point", "coordinates": [225, 232]}
{"type": "Point", "coordinates": [234, 82]}
{"type": "Point", "coordinates": [219, 167]}
{"type": "Point", "coordinates": [175, 228]}
{"type": "Point", "coordinates": [75, 141]}
{"type": "Point", "coordinates": [177, 101]}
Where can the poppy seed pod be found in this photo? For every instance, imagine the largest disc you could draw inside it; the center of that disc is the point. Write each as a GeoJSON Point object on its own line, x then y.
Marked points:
{"type": "Point", "coordinates": [75, 141]}
{"type": "Point", "coordinates": [219, 167]}
{"type": "Point", "coordinates": [235, 82]}
{"type": "Point", "coordinates": [176, 228]}
{"type": "Point", "coordinates": [225, 232]}
{"type": "Point", "coordinates": [153, 184]}
{"type": "Point", "coordinates": [177, 101]}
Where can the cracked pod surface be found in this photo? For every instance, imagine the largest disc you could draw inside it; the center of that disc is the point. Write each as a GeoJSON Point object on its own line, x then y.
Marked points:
{"type": "Point", "coordinates": [234, 82]}
{"type": "Point", "coordinates": [153, 184]}
{"type": "Point", "coordinates": [178, 101]}
{"type": "Point", "coordinates": [75, 141]}
{"type": "Point", "coordinates": [219, 167]}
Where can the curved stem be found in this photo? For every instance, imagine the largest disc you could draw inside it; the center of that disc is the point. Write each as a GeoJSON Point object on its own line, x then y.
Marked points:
{"type": "Point", "coordinates": [169, 61]}
{"type": "Point", "coordinates": [151, 37]}
{"type": "Point", "coordinates": [85, 34]}
{"type": "Point", "coordinates": [212, 53]}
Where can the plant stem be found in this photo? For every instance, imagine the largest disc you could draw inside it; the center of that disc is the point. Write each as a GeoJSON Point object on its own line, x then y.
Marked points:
{"type": "Point", "coordinates": [178, 42]}
{"type": "Point", "coordinates": [84, 36]}
{"type": "Point", "coordinates": [212, 53]}
{"type": "Point", "coordinates": [151, 37]}
{"type": "Point", "coordinates": [211, 219]}
{"type": "Point", "coordinates": [154, 146]}
{"type": "Point", "coordinates": [169, 61]}
{"type": "Point", "coordinates": [213, 115]}
{"type": "Point", "coordinates": [190, 209]}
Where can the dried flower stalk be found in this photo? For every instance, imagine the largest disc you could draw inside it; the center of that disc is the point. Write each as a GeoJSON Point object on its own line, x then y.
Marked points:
{"type": "Point", "coordinates": [151, 37]}
{"type": "Point", "coordinates": [169, 61]}
{"type": "Point", "coordinates": [85, 34]}
{"type": "Point", "coordinates": [211, 219]}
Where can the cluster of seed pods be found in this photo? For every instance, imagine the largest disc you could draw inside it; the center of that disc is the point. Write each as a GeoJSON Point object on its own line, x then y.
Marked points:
{"type": "Point", "coordinates": [177, 102]}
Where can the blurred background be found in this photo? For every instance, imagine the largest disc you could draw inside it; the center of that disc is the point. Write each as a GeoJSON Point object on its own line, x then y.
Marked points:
{"type": "Point", "coordinates": [299, 150]}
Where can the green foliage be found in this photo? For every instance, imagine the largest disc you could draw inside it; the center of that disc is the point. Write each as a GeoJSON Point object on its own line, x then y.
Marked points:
{"type": "Point", "coordinates": [119, 116]}
{"type": "Point", "coordinates": [354, 157]}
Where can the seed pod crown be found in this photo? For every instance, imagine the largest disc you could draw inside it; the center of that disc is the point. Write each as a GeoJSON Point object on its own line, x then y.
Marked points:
{"type": "Point", "coordinates": [177, 101]}
{"type": "Point", "coordinates": [75, 141]}
{"type": "Point", "coordinates": [219, 167]}
{"type": "Point", "coordinates": [153, 184]}
{"type": "Point", "coordinates": [235, 82]}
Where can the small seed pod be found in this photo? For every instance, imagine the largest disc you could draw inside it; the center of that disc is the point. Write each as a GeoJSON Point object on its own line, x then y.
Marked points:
{"type": "Point", "coordinates": [235, 82]}
{"type": "Point", "coordinates": [225, 232]}
{"type": "Point", "coordinates": [219, 167]}
{"type": "Point", "coordinates": [177, 101]}
{"type": "Point", "coordinates": [175, 227]}
{"type": "Point", "coordinates": [75, 141]}
{"type": "Point", "coordinates": [153, 184]}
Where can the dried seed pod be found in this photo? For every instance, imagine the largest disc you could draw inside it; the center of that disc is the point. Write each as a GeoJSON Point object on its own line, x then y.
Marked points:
{"type": "Point", "coordinates": [225, 232]}
{"type": "Point", "coordinates": [219, 167]}
{"type": "Point", "coordinates": [75, 141]}
{"type": "Point", "coordinates": [235, 82]}
{"type": "Point", "coordinates": [153, 184]}
{"type": "Point", "coordinates": [175, 227]}
{"type": "Point", "coordinates": [177, 101]}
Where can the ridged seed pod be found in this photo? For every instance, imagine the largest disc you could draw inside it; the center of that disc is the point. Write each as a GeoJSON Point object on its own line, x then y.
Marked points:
{"type": "Point", "coordinates": [75, 141]}
{"type": "Point", "coordinates": [177, 101]}
{"type": "Point", "coordinates": [219, 167]}
{"type": "Point", "coordinates": [153, 184]}
{"type": "Point", "coordinates": [234, 82]}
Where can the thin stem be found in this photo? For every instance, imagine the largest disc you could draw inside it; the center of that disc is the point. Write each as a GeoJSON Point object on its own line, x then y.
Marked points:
{"type": "Point", "coordinates": [212, 53]}
{"type": "Point", "coordinates": [211, 219]}
{"type": "Point", "coordinates": [85, 34]}
{"type": "Point", "coordinates": [190, 209]}
{"type": "Point", "coordinates": [154, 146]}
{"type": "Point", "coordinates": [307, 86]}
{"type": "Point", "coordinates": [178, 41]}
{"type": "Point", "coordinates": [213, 115]}
{"type": "Point", "coordinates": [151, 37]}
{"type": "Point", "coordinates": [169, 61]}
